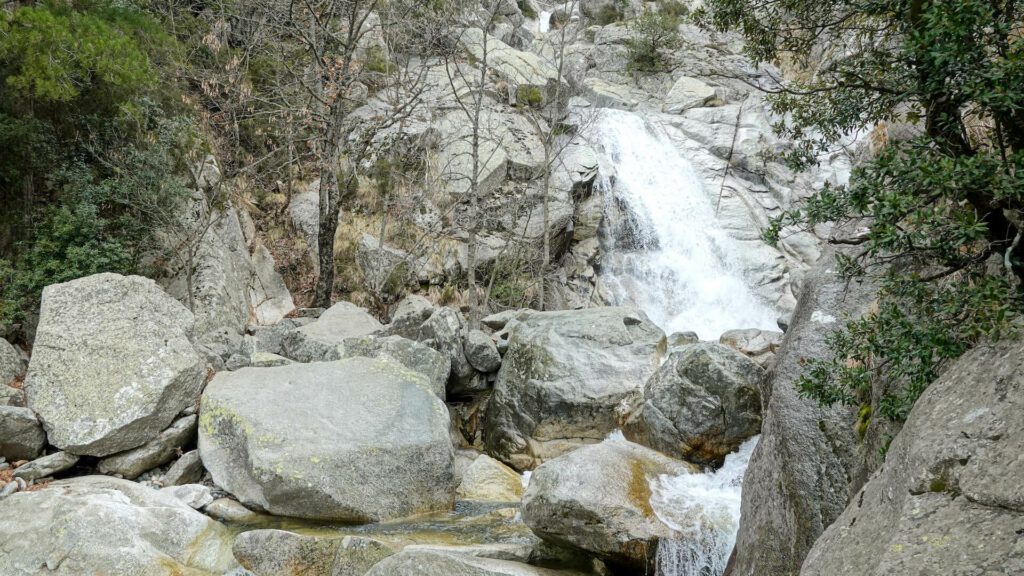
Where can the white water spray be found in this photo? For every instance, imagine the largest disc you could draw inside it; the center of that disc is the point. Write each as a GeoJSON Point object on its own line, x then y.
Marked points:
{"type": "Point", "coordinates": [544, 22]}
{"type": "Point", "coordinates": [705, 510]}
{"type": "Point", "coordinates": [685, 277]}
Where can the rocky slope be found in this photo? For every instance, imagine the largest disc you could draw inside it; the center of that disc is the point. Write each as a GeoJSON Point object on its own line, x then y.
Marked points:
{"type": "Point", "coordinates": [202, 425]}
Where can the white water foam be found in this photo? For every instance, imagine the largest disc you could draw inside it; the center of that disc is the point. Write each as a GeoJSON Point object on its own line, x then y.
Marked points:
{"type": "Point", "coordinates": [544, 22]}
{"type": "Point", "coordinates": [686, 277]}
{"type": "Point", "coordinates": [705, 510]}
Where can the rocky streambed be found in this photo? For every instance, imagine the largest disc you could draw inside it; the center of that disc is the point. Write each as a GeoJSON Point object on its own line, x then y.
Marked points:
{"type": "Point", "coordinates": [329, 443]}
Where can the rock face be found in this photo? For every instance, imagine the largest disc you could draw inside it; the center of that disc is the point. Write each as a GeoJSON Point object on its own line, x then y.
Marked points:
{"type": "Point", "coordinates": [10, 396]}
{"type": "Point", "coordinates": [759, 345]}
{"type": "Point", "coordinates": [100, 525]}
{"type": "Point", "coordinates": [221, 270]}
{"type": "Point", "coordinates": [156, 452]}
{"type": "Point", "coordinates": [187, 470]}
{"type": "Point", "coordinates": [687, 93]}
{"type": "Point", "coordinates": [523, 71]}
{"type": "Point", "coordinates": [270, 297]}
{"type": "Point", "coordinates": [481, 352]}
{"type": "Point", "coordinates": [112, 365]}
{"type": "Point", "coordinates": [319, 340]}
{"type": "Point", "coordinates": [276, 553]}
{"type": "Point", "coordinates": [597, 499]}
{"type": "Point", "coordinates": [357, 440]}
{"type": "Point", "coordinates": [12, 364]}
{"type": "Point", "coordinates": [700, 405]}
{"type": "Point", "coordinates": [948, 499]}
{"type": "Point", "coordinates": [562, 377]}
{"type": "Point", "coordinates": [413, 355]}
{"type": "Point", "coordinates": [429, 562]}
{"type": "Point", "coordinates": [46, 466]}
{"type": "Point", "coordinates": [21, 435]}
{"type": "Point", "coordinates": [808, 462]}
{"type": "Point", "coordinates": [488, 480]}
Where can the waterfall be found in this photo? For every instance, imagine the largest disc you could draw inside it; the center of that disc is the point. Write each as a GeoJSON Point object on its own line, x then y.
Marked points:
{"type": "Point", "coordinates": [681, 266]}
{"type": "Point", "coordinates": [544, 22]}
{"type": "Point", "coordinates": [705, 510]}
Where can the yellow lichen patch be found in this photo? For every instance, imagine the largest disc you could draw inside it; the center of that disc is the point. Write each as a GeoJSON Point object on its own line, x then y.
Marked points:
{"type": "Point", "coordinates": [639, 489]}
{"type": "Point", "coordinates": [212, 412]}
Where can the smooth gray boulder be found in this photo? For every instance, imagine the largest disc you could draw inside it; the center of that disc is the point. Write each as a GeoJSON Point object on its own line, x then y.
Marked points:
{"type": "Point", "coordinates": [230, 510]}
{"type": "Point", "coordinates": [436, 562]}
{"type": "Point", "coordinates": [948, 499]}
{"type": "Point", "coordinates": [268, 360]}
{"type": "Point", "coordinates": [102, 525]}
{"type": "Point", "coordinates": [271, 300]}
{"type": "Point", "coordinates": [12, 364]}
{"type": "Point", "coordinates": [357, 440]}
{"type": "Point", "coordinates": [759, 345]}
{"type": "Point", "coordinates": [186, 470]}
{"type": "Point", "coordinates": [687, 93]}
{"type": "Point", "coordinates": [498, 320]}
{"type": "Point", "coordinates": [385, 269]}
{"type": "Point", "coordinates": [562, 378]}
{"type": "Point", "coordinates": [318, 341]}
{"type": "Point", "coordinates": [597, 499]}
{"type": "Point", "coordinates": [810, 460]}
{"type": "Point", "coordinates": [112, 365]}
{"type": "Point", "coordinates": [487, 480]}
{"type": "Point", "coordinates": [206, 254]}
{"type": "Point", "coordinates": [21, 434]}
{"type": "Point", "coordinates": [413, 355]}
{"type": "Point", "coordinates": [46, 466]}
{"type": "Point", "coordinates": [443, 331]}
{"type": "Point", "coordinates": [522, 71]}
{"type": "Point", "coordinates": [196, 496]}
{"type": "Point", "coordinates": [267, 338]}
{"type": "Point", "coordinates": [11, 396]}
{"type": "Point", "coordinates": [701, 404]}
{"type": "Point", "coordinates": [481, 352]}
{"type": "Point", "coordinates": [156, 452]}
{"type": "Point", "coordinates": [277, 552]}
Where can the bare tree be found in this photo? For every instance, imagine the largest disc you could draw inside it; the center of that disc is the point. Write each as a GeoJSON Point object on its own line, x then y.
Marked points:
{"type": "Point", "coordinates": [473, 75]}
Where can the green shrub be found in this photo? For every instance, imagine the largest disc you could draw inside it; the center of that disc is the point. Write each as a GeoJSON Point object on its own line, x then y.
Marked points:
{"type": "Point", "coordinates": [527, 10]}
{"type": "Point", "coordinates": [376, 60]}
{"type": "Point", "coordinates": [674, 9]}
{"type": "Point", "coordinates": [609, 13]}
{"type": "Point", "coordinates": [654, 37]}
{"type": "Point", "coordinates": [529, 97]}
{"type": "Point", "coordinates": [509, 287]}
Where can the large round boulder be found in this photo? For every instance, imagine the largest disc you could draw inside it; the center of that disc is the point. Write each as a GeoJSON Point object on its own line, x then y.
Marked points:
{"type": "Point", "coordinates": [102, 525]}
{"type": "Point", "coordinates": [112, 364]}
{"type": "Point", "coordinates": [562, 378]}
{"type": "Point", "coordinates": [319, 340]}
{"type": "Point", "coordinates": [357, 440]}
{"type": "Point", "coordinates": [701, 404]}
{"type": "Point", "coordinates": [598, 499]}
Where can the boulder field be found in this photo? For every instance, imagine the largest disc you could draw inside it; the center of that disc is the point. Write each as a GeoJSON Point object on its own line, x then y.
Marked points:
{"type": "Point", "coordinates": [350, 426]}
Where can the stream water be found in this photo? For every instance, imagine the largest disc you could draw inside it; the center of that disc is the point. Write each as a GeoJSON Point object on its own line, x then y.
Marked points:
{"type": "Point", "coordinates": [705, 510]}
{"type": "Point", "coordinates": [670, 257]}
{"type": "Point", "coordinates": [679, 265]}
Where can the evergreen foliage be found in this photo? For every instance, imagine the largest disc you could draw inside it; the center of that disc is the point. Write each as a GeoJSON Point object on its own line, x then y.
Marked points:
{"type": "Point", "coordinates": [943, 209]}
{"type": "Point", "coordinates": [94, 140]}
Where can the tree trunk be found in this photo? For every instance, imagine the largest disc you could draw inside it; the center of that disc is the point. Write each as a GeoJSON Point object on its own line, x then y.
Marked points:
{"type": "Point", "coordinates": [329, 199]}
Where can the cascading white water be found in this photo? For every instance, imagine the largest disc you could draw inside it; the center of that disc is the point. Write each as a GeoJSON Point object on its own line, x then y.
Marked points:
{"type": "Point", "coordinates": [705, 510]}
{"type": "Point", "coordinates": [544, 22]}
{"type": "Point", "coordinates": [685, 275]}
